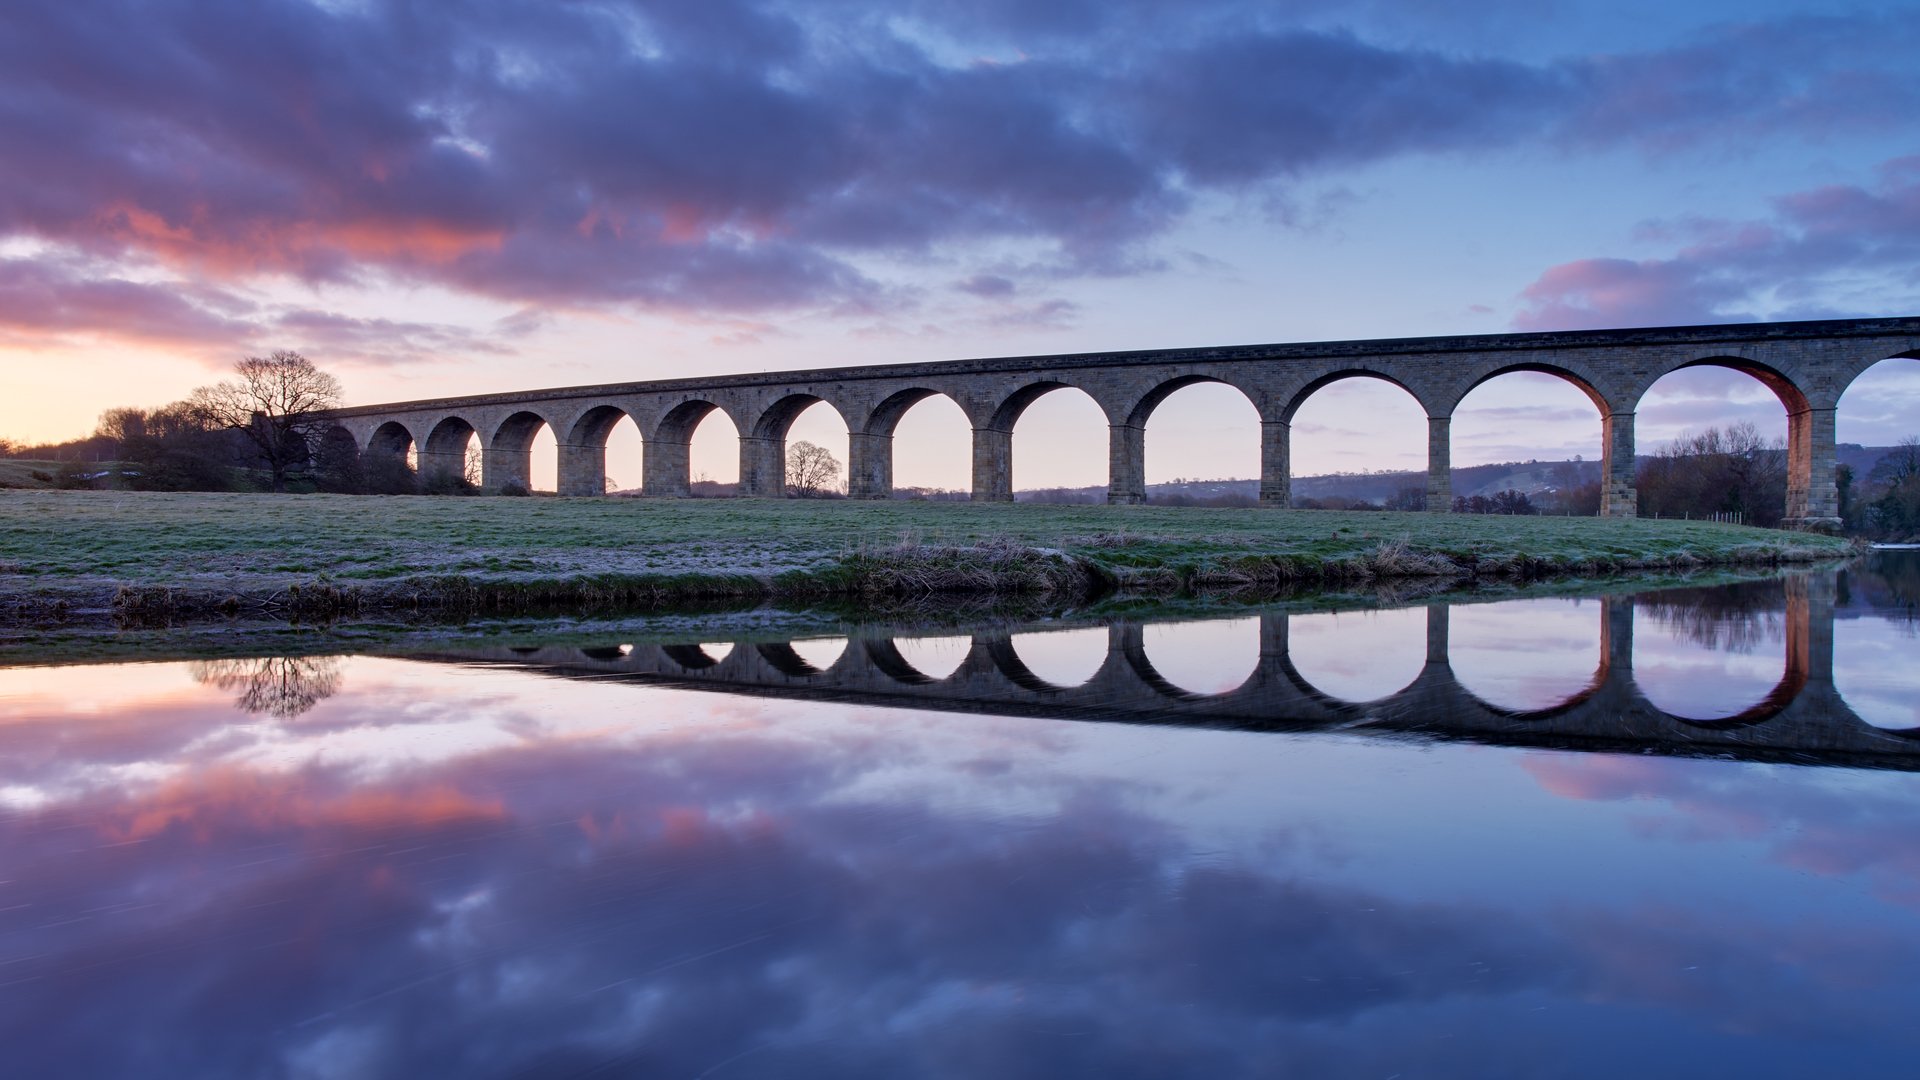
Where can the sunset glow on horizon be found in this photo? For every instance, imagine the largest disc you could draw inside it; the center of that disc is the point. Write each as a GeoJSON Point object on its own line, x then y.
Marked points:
{"type": "Point", "coordinates": [456, 199]}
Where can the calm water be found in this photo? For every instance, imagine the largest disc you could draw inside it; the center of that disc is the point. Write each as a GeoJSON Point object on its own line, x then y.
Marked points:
{"type": "Point", "coordinates": [1670, 834]}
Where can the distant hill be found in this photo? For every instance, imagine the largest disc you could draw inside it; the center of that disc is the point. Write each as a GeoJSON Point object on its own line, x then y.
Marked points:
{"type": "Point", "coordinates": [1532, 477]}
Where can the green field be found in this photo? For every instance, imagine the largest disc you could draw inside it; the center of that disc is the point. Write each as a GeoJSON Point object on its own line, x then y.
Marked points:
{"type": "Point", "coordinates": [82, 545]}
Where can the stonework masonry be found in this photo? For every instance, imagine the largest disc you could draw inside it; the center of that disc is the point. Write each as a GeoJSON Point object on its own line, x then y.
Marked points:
{"type": "Point", "coordinates": [1808, 365]}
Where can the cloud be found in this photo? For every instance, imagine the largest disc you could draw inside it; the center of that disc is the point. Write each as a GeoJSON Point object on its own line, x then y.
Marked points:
{"type": "Point", "coordinates": [739, 158]}
{"type": "Point", "coordinates": [54, 300]}
{"type": "Point", "coordinates": [1732, 271]}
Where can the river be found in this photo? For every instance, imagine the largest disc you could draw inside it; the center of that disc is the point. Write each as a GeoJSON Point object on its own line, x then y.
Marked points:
{"type": "Point", "coordinates": [1665, 833]}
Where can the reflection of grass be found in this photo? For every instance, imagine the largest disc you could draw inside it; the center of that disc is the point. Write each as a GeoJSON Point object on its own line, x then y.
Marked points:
{"type": "Point", "coordinates": [231, 544]}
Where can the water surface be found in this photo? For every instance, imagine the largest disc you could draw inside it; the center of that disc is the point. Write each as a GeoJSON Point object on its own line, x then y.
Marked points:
{"type": "Point", "coordinates": [1668, 834]}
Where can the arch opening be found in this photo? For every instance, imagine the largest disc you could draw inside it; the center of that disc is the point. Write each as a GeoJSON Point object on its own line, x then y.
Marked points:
{"type": "Point", "coordinates": [601, 454]}
{"type": "Point", "coordinates": [1713, 442]}
{"type": "Point", "coordinates": [522, 455]}
{"type": "Point", "coordinates": [1207, 658]}
{"type": "Point", "coordinates": [929, 445]}
{"type": "Point", "coordinates": [1060, 659]}
{"type": "Point", "coordinates": [698, 657]}
{"type": "Point", "coordinates": [1716, 658]}
{"type": "Point", "coordinates": [819, 654]}
{"type": "Point", "coordinates": [1358, 656]}
{"type": "Point", "coordinates": [1357, 440]}
{"type": "Point", "coordinates": [1202, 444]}
{"type": "Point", "coordinates": [1876, 470]}
{"type": "Point", "coordinates": [391, 462]}
{"type": "Point", "coordinates": [1533, 431]}
{"type": "Point", "coordinates": [934, 659]}
{"type": "Point", "coordinates": [451, 459]}
{"type": "Point", "coordinates": [1057, 448]}
{"type": "Point", "coordinates": [1527, 656]}
{"type": "Point", "coordinates": [1873, 672]}
{"type": "Point", "coordinates": [808, 447]}
{"type": "Point", "coordinates": [695, 451]}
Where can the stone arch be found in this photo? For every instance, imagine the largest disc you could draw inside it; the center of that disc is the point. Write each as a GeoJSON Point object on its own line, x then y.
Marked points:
{"type": "Point", "coordinates": [1792, 397]}
{"type": "Point", "coordinates": [667, 464]}
{"type": "Point", "coordinates": [392, 438]}
{"type": "Point", "coordinates": [1032, 658]}
{"type": "Point", "coordinates": [1277, 453]}
{"type": "Point", "coordinates": [870, 446]}
{"type": "Point", "coordinates": [763, 446]}
{"type": "Point", "coordinates": [1584, 383]}
{"type": "Point", "coordinates": [1768, 707]}
{"type": "Point", "coordinates": [1321, 382]}
{"type": "Point", "coordinates": [1556, 635]}
{"type": "Point", "coordinates": [1603, 417]}
{"type": "Point", "coordinates": [993, 443]}
{"type": "Point", "coordinates": [1007, 412]}
{"type": "Point", "coordinates": [1218, 640]}
{"type": "Point", "coordinates": [1319, 640]}
{"type": "Point", "coordinates": [1142, 409]}
{"type": "Point", "coordinates": [1810, 482]}
{"type": "Point", "coordinates": [1128, 457]}
{"type": "Point", "coordinates": [583, 450]}
{"type": "Point", "coordinates": [892, 658]}
{"type": "Point", "coordinates": [445, 452]}
{"type": "Point", "coordinates": [508, 457]}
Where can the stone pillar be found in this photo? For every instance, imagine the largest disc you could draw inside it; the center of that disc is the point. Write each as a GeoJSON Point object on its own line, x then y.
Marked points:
{"type": "Point", "coordinates": [500, 467]}
{"type": "Point", "coordinates": [1440, 464]}
{"type": "Point", "coordinates": [665, 467]}
{"type": "Point", "coordinates": [583, 470]}
{"type": "Point", "coordinates": [1810, 627]}
{"type": "Point", "coordinates": [1617, 496]}
{"type": "Point", "coordinates": [1273, 637]}
{"type": "Point", "coordinates": [1616, 635]}
{"type": "Point", "coordinates": [442, 463]}
{"type": "Point", "coordinates": [1813, 500]}
{"type": "Point", "coordinates": [1276, 466]}
{"type": "Point", "coordinates": [1126, 464]}
{"type": "Point", "coordinates": [992, 465]}
{"type": "Point", "coordinates": [763, 467]}
{"type": "Point", "coordinates": [869, 466]}
{"type": "Point", "coordinates": [1439, 626]}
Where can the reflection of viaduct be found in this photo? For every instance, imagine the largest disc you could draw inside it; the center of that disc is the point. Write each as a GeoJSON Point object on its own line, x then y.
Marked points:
{"type": "Point", "coordinates": [1807, 364]}
{"type": "Point", "coordinates": [1802, 719]}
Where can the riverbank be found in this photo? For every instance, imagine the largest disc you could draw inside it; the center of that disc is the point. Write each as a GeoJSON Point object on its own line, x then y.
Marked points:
{"type": "Point", "coordinates": [141, 558]}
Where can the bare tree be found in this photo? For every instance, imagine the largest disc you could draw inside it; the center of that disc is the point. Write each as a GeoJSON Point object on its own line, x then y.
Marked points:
{"type": "Point", "coordinates": [282, 687]}
{"type": "Point", "coordinates": [275, 402]}
{"type": "Point", "coordinates": [812, 470]}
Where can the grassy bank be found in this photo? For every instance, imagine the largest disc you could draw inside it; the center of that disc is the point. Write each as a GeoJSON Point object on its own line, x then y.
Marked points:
{"type": "Point", "coordinates": [147, 558]}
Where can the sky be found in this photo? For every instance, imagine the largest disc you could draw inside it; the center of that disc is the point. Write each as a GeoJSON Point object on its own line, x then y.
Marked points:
{"type": "Point", "coordinates": [440, 198]}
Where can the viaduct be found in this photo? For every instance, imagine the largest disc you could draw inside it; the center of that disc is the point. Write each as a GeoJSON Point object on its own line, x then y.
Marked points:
{"type": "Point", "coordinates": [1808, 365]}
{"type": "Point", "coordinates": [1802, 720]}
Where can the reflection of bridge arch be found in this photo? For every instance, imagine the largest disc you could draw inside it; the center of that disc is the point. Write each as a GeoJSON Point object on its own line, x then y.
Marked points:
{"type": "Point", "coordinates": [1808, 722]}
{"type": "Point", "coordinates": [1581, 693]}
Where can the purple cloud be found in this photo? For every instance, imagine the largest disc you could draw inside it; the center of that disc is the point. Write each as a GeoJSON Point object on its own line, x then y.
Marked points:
{"type": "Point", "coordinates": [738, 157]}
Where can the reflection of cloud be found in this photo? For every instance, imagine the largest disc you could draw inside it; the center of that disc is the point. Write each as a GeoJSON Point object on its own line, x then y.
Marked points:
{"type": "Point", "coordinates": [675, 897]}
{"type": "Point", "coordinates": [1842, 830]}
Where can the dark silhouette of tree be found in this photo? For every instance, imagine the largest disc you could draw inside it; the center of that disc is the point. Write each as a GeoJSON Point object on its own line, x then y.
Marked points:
{"type": "Point", "coordinates": [1716, 472]}
{"type": "Point", "coordinates": [282, 687]}
{"type": "Point", "coordinates": [1895, 484]}
{"type": "Point", "coordinates": [177, 447]}
{"type": "Point", "coordinates": [275, 402]}
{"type": "Point", "coordinates": [338, 465]}
{"type": "Point", "coordinates": [812, 470]}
